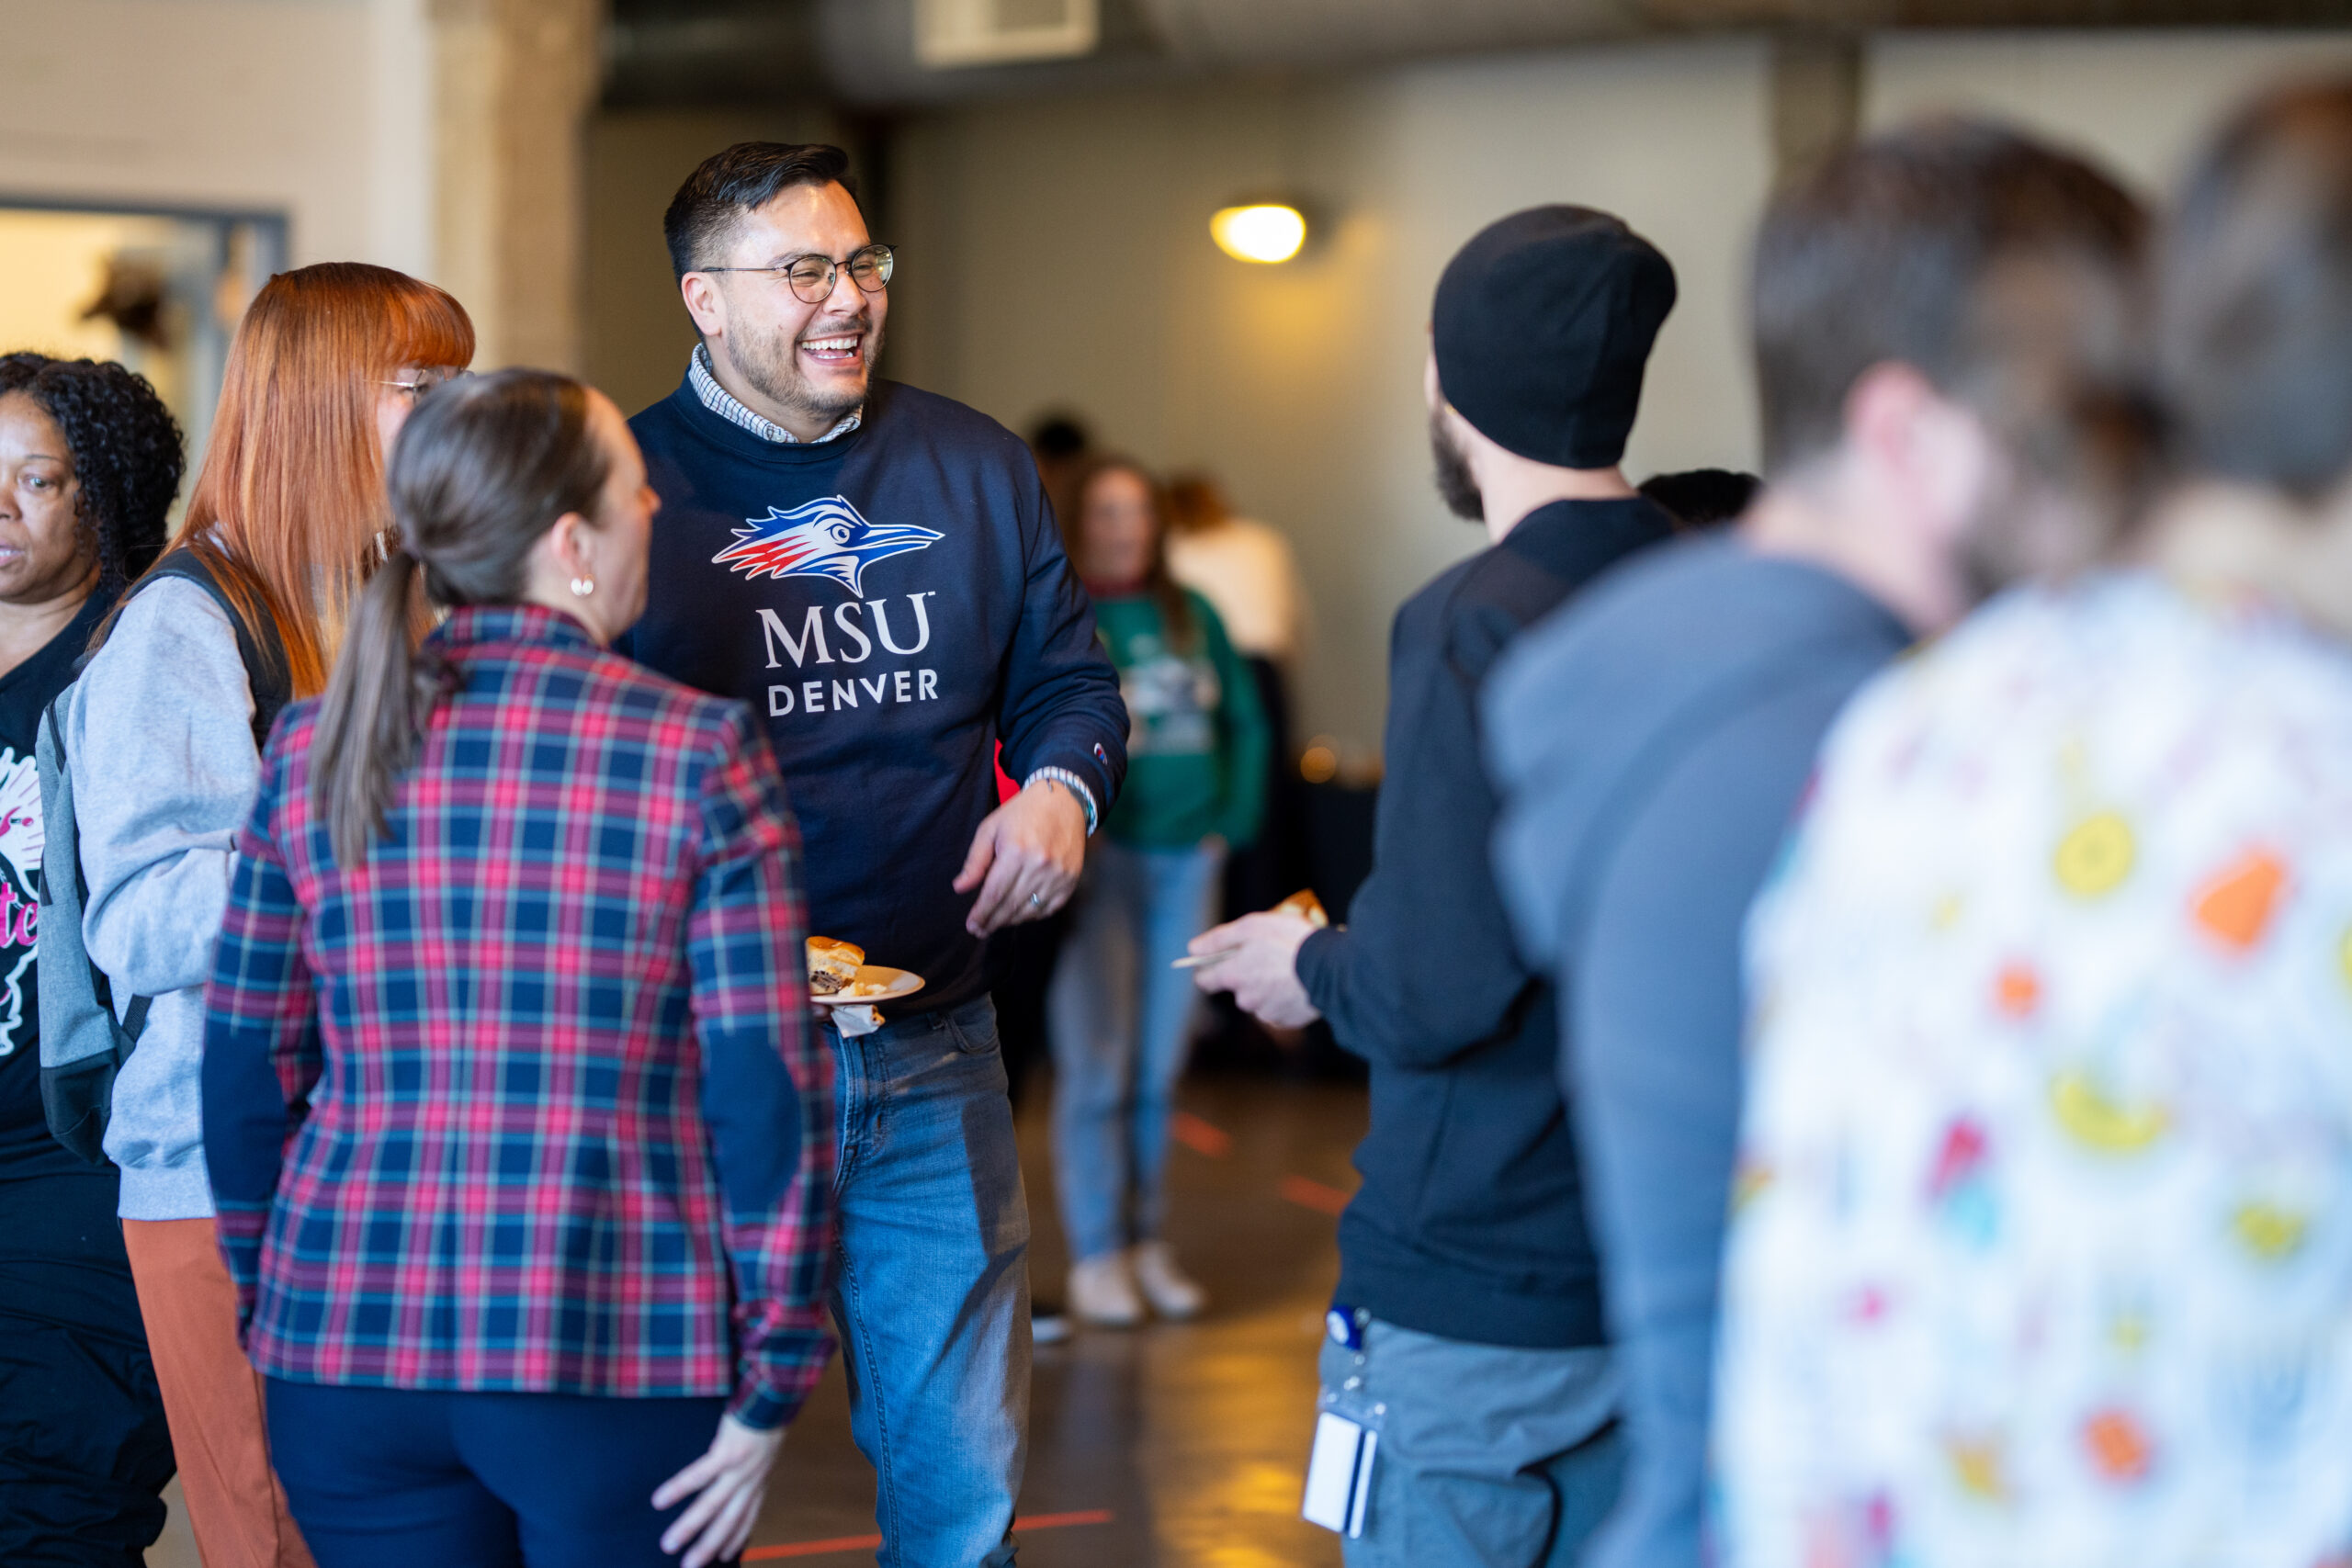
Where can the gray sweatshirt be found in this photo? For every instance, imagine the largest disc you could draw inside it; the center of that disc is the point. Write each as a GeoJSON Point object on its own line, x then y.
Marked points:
{"type": "Point", "coordinates": [1650, 744]}
{"type": "Point", "coordinates": [159, 729]}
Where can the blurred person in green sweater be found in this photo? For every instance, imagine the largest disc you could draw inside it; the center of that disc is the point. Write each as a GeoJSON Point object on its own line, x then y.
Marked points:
{"type": "Point", "coordinates": [1121, 1017]}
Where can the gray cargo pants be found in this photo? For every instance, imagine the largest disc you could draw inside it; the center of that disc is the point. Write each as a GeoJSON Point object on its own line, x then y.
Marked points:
{"type": "Point", "coordinates": [1489, 1456]}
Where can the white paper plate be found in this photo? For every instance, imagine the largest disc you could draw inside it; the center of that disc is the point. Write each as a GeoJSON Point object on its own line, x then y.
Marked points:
{"type": "Point", "coordinates": [875, 984]}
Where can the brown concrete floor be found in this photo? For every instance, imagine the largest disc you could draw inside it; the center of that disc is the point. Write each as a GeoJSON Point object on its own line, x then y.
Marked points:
{"type": "Point", "coordinates": [1192, 1437]}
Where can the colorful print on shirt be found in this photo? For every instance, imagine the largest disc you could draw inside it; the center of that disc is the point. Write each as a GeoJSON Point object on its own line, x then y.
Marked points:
{"type": "Point", "coordinates": [1171, 699]}
{"type": "Point", "coordinates": [20, 849]}
{"type": "Point", "coordinates": [1171, 685]}
{"type": "Point", "coordinates": [2041, 1249]}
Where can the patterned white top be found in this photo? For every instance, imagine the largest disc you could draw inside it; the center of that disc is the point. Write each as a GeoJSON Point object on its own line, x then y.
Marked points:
{"type": "Point", "coordinates": [2042, 1253]}
{"type": "Point", "coordinates": [732, 409]}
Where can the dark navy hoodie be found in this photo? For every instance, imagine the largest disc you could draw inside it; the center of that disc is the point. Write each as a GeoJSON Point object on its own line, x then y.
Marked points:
{"type": "Point", "coordinates": [893, 602]}
{"type": "Point", "coordinates": [1470, 1222]}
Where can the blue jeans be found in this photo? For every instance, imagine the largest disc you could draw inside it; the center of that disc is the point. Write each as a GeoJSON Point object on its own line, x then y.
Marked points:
{"type": "Point", "coordinates": [1121, 1022]}
{"type": "Point", "coordinates": [398, 1478]}
{"type": "Point", "coordinates": [933, 1292]}
{"type": "Point", "coordinates": [1489, 1456]}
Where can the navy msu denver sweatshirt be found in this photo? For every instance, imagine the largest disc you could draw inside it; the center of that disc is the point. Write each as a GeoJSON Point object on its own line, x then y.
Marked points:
{"type": "Point", "coordinates": [893, 602]}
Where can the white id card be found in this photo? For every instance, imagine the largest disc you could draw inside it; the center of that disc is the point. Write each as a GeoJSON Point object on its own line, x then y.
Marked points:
{"type": "Point", "coordinates": [1338, 1474]}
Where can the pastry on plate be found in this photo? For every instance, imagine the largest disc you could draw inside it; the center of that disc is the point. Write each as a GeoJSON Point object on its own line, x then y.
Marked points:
{"type": "Point", "coordinates": [832, 965]}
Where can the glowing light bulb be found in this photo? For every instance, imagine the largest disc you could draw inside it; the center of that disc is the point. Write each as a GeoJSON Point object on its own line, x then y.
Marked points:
{"type": "Point", "coordinates": [1262, 231]}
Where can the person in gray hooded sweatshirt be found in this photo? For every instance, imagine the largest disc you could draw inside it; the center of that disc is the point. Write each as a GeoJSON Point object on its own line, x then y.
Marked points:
{"type": "Point", "coordinates": [1944, 339]}
{"type": "Point", "coordinates": [159, 731]}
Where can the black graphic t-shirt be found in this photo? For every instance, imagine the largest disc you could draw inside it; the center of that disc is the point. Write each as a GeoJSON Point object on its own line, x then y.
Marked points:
{"type": "Point", "coordinates": [25, 1147]}
{"type": "Point", "coordinates": [892, 603]}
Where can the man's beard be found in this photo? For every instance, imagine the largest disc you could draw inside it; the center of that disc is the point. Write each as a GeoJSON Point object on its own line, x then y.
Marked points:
{"type": "Point", "coordinates": [1455, 484]}
{"type": "Point", "coordinates": [777, 375]}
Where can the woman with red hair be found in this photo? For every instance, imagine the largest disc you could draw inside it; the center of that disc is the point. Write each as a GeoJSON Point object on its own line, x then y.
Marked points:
{"type": "Point", "coordinates": [163, 735]}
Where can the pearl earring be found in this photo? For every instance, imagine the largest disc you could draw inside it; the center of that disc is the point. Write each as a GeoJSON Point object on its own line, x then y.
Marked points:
{"type": "Point", "coordinates": [584, 586]}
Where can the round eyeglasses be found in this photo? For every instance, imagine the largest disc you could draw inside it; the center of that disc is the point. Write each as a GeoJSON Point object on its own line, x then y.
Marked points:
{"type": "Point", "coordinates": [425, 381]}
{"type": "Point", "coordinates": [812, 277]}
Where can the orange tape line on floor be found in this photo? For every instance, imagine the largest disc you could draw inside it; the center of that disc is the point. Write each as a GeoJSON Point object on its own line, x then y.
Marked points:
{"type": "Point", "coordinates": [1308, 1194]}
{"type": "Point", "coordinates": [868, 1542]}
{"type": "Point", "coordinates": [812, 1548]}
{"type": "Point", "coordinates": [1201, 1136]}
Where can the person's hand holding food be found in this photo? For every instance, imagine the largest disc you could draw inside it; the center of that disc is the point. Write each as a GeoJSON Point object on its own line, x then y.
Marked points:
{"type": "Point", "coordinates": [1256, 959]}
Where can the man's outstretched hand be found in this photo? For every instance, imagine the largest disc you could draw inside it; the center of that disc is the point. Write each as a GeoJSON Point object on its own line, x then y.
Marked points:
{"type": "Point", "coordinates": [1256, 958]}
{"type": "Point", "coordinates": [1025, 859]}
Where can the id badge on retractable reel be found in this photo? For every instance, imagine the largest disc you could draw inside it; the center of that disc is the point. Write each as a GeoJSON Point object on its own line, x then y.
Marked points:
{"type": "Point", "coordinates": [1339, 1471]}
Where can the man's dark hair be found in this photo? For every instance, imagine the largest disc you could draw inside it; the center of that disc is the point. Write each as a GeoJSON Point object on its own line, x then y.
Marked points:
{"type": "Point", "coordinates": [2257, 335]}
{"type": "Point", "coordinates": [2004, 272]}
{"type": "Point", "coordinates": [126, 451]}
{"type": "Point", "coordinates": [1059, 438]}
{"type": "Point", "coordinates": [744, 178]}
{"type": "Point", "coordinates": [1700, 498]}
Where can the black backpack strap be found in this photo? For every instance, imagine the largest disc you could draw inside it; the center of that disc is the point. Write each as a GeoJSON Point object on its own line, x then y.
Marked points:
{"type": "Point", "coordinates": [266, 670]}
{"type": "Point", "coordinates": [134, 1019]}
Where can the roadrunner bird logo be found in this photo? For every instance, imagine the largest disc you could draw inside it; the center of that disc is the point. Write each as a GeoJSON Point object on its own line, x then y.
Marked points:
{"type": "Point", "coordinates": [824, 538]}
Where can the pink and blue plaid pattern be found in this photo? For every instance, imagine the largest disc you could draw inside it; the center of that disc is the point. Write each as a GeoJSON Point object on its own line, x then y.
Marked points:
{"type": "Point", "coordinates": [530, 1100]}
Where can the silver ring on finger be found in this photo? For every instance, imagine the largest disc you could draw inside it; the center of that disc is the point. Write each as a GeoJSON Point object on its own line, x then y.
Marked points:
{"type": "Point", "coordinates": [1036, 900]}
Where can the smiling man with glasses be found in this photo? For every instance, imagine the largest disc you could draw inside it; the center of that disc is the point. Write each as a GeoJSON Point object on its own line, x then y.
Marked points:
{"type": "Point", "coordinates": [810, 367]}
{"type": "Point", "coordinates": [876, 572]}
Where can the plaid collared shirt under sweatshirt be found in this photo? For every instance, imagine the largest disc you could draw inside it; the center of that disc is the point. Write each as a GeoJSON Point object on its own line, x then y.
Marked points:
{"type": "Point", "coordinates": [529, 1099]}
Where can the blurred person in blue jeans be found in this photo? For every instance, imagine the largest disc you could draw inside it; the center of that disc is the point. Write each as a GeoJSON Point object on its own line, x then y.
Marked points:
{"type": "Point", "coordinates": [1120, 1015]}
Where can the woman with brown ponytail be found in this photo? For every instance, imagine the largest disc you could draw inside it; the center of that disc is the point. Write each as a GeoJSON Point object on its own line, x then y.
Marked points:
{"type": "Point", "coordinates": [162, 735]}
{"type": "Point", "coordinates": [521, 1145]}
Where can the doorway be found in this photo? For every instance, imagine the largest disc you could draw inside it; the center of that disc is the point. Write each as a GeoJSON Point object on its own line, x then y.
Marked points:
{"type": "Point", "coordinates": [160, 289]}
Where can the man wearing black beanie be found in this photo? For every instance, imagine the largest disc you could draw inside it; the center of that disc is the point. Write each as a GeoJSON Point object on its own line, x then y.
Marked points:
{"type": "Point", "coordinates": [1468, 1396]}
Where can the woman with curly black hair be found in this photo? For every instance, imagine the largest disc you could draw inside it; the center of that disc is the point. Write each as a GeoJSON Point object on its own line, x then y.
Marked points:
{"type": "Point", "coordinates": [89, 462]}
{"type": "Point", "coordinates": [126, 450]}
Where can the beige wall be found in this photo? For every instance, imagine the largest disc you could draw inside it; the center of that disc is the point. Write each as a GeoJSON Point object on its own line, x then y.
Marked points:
{"type": "Point", "coordinates": [512, 84]}
{"type": "Point", "coordinates": [440, 137]}
{"type": "Point", "coordinates": [1057, 255]}
{"type": "Point", "coordinates": [317, 108]}
{"type": "Point", "coordinates": [2139, 101]}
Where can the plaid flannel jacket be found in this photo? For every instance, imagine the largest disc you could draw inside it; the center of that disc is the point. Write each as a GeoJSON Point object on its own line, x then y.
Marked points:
{"type": "Point", "coordinates": [531, 1097]}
